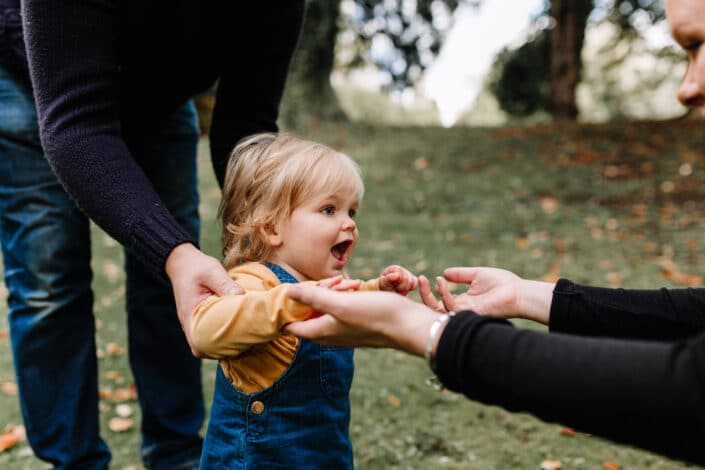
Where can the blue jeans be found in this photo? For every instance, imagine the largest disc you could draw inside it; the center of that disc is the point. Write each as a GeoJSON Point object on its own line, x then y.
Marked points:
{"type": "Point", "coordinates": [46, 252]}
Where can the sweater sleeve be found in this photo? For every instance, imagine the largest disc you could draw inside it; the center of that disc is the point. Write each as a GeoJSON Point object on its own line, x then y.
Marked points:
{"type": "Point", "coordinates": [646, 394]}
{"type": "Point", "coordinates": [229, 325]}
{"type": "Point", "coordinates": [658, 314]}
{"type": "Point", "coordinates": [71, 48]}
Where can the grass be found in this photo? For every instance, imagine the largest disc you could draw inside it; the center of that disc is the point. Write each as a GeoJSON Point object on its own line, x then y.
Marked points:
{"type": "Point", "coordinates": [616, 204]}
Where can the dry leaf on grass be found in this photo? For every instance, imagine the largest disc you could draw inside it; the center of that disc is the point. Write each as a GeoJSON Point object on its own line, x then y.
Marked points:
{"type": "Point", "coordinates": [4, 334]}
{"type": "Point", "coordinates": [123, 410]}
{"type": "Point", "coordinates": [550, 465]}
{"type": "Point", "coordinates": [11, 436]}
{"type": "Point", "coordinates": [394, 401]}
{"type": "Point", "coordinates": [9, 388]}
{"type": "Point", "coordinates": [610, 466]}
{"type": "Point", "coordinates": [114, 350]}
{"type": "Point", "coordinates": [120, 424]}
{"type": "Point", "coordinates": [549, 204]}
{"type": "Point", "coordinates": [568, 432]}
{"type": "Point", "coordinates": [119, 394]}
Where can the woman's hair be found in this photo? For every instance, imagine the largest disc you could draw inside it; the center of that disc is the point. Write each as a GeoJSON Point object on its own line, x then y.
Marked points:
{"type": "Point", "coordinates": [267, 177]}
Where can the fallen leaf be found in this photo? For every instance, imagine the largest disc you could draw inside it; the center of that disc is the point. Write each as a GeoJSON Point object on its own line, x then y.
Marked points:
{"type": "Point", "coordinates": [614, 279]}
{"type": "Point", "coordinates": [522, 243]}
{"type": "Point", "coordinates": [394, 401]}
{"type": "Point", "coordinates": [118, 424]}
{"type": "Point", "coordinates": [610, 466]}
{"type": "Point", "coordinates": [420, 163]}
{"type": "Point", "coordinates": [549, 204]}
{"type": "Point", "coordinates": [550, 465]}
{"type": "Point", "coordinates": [570, 432]}
{"type": "Point", "coordinates": [553, 273]}
{"type": "Point", "coordinates": [119, 394]}
{"type": "Point", "coordinates": [4, 334]}
{"type": "Point", "coordinates": [9, 388]}
{"type": "Point", "coordinates": [11, 437]}
{"type": "Point", "coordinates": [114, 350]}
{"type": "Point", "coordinates": [123, 410]}
{"type": "Point", "coordinates": [114, 375]}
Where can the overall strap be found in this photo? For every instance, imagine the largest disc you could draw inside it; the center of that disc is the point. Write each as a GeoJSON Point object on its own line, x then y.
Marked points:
{"type": "Point", "coordinates": [282, 274]}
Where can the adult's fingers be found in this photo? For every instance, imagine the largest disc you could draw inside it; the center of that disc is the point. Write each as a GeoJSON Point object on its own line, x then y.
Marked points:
{"type": "Point", "coordinates": [462, 275]}
{"type": "Point", "coordinates": [446, 296]}
{"type": "Point", "coordinates": [321, 299]}
{"type": "Point", "coordinates": [310, 329]}
{"type": "Point", "coordinates": [221, 283]}
{"type": "Point", "coordinates": [426, 295]}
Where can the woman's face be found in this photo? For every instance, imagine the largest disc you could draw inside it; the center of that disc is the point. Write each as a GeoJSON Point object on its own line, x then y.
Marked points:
{"type": "Point", "coordinates": [687, 21]}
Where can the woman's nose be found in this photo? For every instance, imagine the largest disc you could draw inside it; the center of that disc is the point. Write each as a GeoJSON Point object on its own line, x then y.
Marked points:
{"type": "Point", "coordinates": [689, 93]}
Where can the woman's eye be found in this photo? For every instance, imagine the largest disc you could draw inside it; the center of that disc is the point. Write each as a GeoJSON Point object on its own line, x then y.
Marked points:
{"type": "Point", "coordinates": [328, 210]}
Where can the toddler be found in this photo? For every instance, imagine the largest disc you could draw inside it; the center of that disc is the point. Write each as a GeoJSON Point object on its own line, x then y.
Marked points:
{"type": "Point", "coordinates": [288, 216]}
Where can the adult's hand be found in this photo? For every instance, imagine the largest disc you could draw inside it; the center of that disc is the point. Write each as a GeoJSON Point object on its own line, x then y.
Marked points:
{"type": "Point", "coordinates": [194, 276]}
{"type": "Point", "coordinates": [370, 319]}
{"type": "Point", "coordinates": [492, 291]}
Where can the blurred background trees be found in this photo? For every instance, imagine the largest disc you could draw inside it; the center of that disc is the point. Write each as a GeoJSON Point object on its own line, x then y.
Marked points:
{"type": "Point", "coordinates": [398, 41]}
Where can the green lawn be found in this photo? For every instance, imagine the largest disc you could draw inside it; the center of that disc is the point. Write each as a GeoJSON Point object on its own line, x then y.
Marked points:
{"type": "Point", "coordinates": [618, 205]}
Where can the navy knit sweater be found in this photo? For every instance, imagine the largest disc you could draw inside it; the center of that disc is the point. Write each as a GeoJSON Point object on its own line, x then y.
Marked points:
{"type": "Point", "coordinates": [103, 71]}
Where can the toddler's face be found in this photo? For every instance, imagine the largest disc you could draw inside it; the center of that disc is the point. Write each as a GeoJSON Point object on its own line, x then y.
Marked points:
{"type": "Point", "coordinates": [319, 238]}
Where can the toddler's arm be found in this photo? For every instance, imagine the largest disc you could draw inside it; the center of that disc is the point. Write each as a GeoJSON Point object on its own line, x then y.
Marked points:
{"type": "Point", "coordinates": [229, 325]}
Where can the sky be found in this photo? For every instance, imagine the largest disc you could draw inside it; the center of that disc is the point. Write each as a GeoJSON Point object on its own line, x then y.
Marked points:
{"type": "Point", "coordinates": [456, 77]}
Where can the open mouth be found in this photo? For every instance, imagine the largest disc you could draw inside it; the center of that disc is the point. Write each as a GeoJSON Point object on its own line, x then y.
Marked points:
{"type": "Point", "coordinates": [339, 249]}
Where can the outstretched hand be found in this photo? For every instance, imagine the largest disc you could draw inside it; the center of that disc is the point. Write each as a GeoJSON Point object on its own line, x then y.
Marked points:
{"type": "Point", "coordinates": [194, 276]}
{"type": "Point", "coordinates": [491, 291]}
{"type": "Point", "coordinates": [397, 279]}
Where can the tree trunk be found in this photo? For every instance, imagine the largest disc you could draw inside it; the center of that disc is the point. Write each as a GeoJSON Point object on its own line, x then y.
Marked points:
{"type": "Point", "coordinates": [309, 96]}
{"type": "Point", "coordinates": [567, 39]}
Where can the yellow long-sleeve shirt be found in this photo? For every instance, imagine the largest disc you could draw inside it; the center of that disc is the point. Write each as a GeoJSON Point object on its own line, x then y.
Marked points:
{"type": "Point", "coordinates": [244, 331]}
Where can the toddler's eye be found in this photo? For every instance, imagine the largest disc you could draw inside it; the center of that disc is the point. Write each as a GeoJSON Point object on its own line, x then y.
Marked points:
{"type": "Point", "coordinates": [328, 210]}
{"type": "Point", "coordinates": [352, 213]}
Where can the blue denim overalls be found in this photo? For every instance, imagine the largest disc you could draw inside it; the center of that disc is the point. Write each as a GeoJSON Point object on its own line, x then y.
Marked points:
{"type": "Point", "coordinates": [299, 422]}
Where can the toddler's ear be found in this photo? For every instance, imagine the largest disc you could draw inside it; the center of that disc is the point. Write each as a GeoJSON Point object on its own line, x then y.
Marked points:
{"type": "Point", "coordinates": [270, 234]}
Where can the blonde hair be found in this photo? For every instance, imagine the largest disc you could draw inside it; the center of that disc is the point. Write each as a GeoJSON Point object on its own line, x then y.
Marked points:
{"type": "Point", "coordinates": [268, 176]}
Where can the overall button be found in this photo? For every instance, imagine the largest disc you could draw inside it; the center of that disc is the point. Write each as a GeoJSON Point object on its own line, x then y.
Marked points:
{"type": "Point", "coordinates": [257, 407]}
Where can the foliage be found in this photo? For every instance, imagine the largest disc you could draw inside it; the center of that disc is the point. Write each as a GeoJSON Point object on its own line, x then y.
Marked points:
{"type": "Point", "coordinates": [520, 78]}
{"type": "Point", "coordinates": [400, 37]}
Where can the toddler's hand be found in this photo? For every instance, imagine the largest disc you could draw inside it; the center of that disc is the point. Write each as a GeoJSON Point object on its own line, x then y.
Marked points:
{"type": "Point", "coordinates": [397, 279]}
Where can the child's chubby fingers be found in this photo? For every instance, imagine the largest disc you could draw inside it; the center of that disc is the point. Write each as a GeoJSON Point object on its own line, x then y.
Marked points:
{"type": "Point", "coordinates": [411, 282]}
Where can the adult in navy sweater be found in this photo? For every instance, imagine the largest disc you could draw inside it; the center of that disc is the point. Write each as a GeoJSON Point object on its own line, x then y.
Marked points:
{"type": "Point", "coordinates": [628, 365]}
{"type": "Point", "coordinates": [111, 82]}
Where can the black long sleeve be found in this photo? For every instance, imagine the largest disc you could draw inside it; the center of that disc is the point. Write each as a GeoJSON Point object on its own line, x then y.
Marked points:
{"type": "Point", "coordinates": [643, 393]}
{"type": "Point", "coordinates": [658, 314]}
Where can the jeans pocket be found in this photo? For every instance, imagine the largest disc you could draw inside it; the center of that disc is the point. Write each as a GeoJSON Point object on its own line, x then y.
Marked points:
{"type": "Point", "coordinates": [337, 369]}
